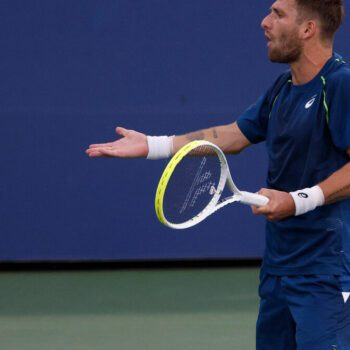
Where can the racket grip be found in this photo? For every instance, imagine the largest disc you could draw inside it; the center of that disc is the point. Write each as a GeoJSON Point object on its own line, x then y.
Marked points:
{"type": "Point", "coordinates": [253, 199]}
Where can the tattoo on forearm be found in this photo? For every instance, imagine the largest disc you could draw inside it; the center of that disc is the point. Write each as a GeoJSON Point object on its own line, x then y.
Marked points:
{"type": "Point", "coordinates": [215, 134]}
{"type": "Point", "coordinates": [343, 193]}
{"type": "Point", "coordinates": [197, 135]}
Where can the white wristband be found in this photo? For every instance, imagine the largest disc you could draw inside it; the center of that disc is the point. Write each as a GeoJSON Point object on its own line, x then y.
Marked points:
{"type": "Point", "coordinates": [307, 199]}
{"type": "Point", "coordinates": [159, 147]}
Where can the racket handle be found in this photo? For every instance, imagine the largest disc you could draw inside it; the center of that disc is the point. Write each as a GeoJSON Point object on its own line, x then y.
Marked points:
{"type": "Point", "coordinates": [253, 199]}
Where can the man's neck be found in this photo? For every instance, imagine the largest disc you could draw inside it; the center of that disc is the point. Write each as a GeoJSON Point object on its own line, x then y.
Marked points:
{"type": "Point", "coordinates": [310, 64]}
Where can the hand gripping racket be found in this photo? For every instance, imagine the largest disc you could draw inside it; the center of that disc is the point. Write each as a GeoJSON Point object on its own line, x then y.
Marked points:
{"type": "Point", "coordinates": [192, 184]}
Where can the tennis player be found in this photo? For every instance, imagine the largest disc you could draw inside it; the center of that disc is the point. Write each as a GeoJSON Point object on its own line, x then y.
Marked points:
{"type": "Point", "coordinates": [304, 118]}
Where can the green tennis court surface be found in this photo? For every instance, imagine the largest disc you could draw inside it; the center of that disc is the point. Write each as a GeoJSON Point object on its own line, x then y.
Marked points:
{"type": "Point", "coordinates": [173, 309]}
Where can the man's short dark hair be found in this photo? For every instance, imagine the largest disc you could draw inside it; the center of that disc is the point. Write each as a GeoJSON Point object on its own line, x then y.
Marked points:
{"type": "Point", "coordinates": [330, 13]}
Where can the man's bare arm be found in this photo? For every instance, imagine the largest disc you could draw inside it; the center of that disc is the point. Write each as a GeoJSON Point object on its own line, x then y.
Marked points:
{"type": "Point", "coordinates": [228, 137]}
{"type": "Point", "coordinates": [134, 144]}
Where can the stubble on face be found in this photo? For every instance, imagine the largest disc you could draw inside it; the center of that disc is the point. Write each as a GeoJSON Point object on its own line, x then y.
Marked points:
{"type": "Point", "coordinates": [287, 48]}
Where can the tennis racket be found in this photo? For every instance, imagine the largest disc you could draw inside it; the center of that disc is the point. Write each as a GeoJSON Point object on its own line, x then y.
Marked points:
{"type": "Point", "coordinates": [192, 185]}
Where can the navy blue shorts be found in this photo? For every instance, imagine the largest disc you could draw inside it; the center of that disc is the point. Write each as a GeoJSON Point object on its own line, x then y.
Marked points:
{"type": "Point", "coordinates": [302, 313]}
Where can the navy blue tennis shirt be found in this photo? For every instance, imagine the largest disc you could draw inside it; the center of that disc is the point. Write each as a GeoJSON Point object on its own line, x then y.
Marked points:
{"type": "Point", "coordinates": [307, 132]}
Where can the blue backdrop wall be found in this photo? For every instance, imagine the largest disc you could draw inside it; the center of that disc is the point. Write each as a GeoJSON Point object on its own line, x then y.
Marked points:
{"type": "Point", "coordinates": [71, 71]}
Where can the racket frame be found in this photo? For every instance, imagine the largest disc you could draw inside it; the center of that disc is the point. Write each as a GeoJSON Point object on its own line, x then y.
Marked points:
{"type": "Point", "coordinates": [216, 202]}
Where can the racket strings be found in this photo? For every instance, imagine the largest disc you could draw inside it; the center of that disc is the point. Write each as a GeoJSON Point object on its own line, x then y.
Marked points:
{"type": "Point", "coordinates": [202, 151]}
{"type": "Point", "coordinates": [192, 185]}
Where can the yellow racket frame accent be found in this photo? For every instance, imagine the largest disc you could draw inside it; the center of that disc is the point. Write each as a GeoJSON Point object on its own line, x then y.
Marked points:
{"type": "Point", "coordinates": [168, 171]}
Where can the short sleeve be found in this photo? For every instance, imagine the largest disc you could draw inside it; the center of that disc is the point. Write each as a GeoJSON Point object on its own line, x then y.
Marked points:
{"type": "Point", "coordinates": [254, 121]}
{"type": "Point", "coordinates": [338, 100]}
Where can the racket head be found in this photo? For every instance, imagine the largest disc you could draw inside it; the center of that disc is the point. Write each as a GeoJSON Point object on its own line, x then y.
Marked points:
{"type": "Point", "coordinates": [191, 185]}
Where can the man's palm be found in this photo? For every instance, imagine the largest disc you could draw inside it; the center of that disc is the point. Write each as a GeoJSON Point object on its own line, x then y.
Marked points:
{"type": "Point", "coordinates": [132, 144]}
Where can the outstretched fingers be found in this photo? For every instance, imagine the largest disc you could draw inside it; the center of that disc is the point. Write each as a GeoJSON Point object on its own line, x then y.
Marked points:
{"type": "Point", "coordinates": [102, 152]}
{"type": "Point", "coordinates": [122, 131]}
{"type": "Point", "coordinates": [131, 144]}
{"type": "Point", "coordinates": [99, 145]}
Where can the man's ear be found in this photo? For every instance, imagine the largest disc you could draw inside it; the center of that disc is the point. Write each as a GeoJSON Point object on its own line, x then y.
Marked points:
{"type": "Point", "coordinates": [309, 29]}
